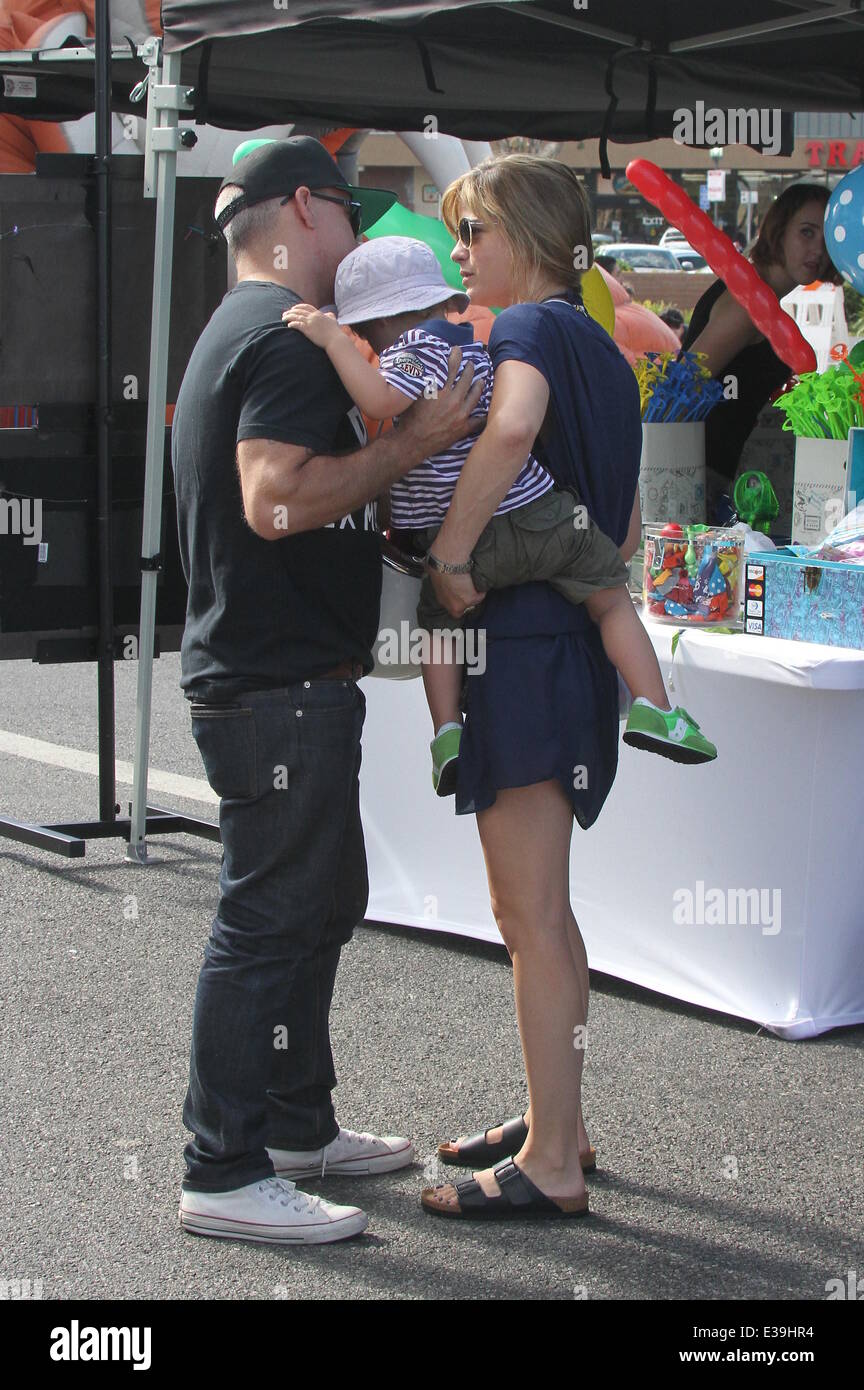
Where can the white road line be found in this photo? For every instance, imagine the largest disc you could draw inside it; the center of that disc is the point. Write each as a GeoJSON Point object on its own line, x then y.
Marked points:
{"type": "Point", "coordinates": [76, 760]}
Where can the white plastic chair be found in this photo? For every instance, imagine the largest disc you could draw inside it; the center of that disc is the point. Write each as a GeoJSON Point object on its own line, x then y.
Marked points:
{"type": "Point", "coordinates": [821, 317]}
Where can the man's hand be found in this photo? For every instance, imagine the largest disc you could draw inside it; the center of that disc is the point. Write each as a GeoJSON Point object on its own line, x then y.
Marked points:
{"type": "Point", "coordinates": [319, 328]}
{"type": "Point", "coordinates": [455, 592]}
{"type": "Point", "coordinates": [438, 422]}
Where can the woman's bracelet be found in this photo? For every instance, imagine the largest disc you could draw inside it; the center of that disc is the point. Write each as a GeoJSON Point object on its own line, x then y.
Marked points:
{"type": "Point", "coordinates": [442, 568]}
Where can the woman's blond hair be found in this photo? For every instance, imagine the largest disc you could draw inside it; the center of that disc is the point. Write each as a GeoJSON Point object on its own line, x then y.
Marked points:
{"type": "Point", "coordinates": [543, 212]}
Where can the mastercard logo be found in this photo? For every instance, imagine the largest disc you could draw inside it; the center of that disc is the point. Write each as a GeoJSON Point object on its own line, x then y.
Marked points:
{"type": "Point", "coordinates": [754, 590]}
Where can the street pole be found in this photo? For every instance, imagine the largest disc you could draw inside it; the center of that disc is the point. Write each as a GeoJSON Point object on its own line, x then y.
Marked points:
{"type": "Point", "coordinates": [716, 155]}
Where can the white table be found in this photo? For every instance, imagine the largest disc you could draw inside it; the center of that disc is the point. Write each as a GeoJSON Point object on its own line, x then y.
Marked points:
{"type": "Point", "coordinates": [772, 831]}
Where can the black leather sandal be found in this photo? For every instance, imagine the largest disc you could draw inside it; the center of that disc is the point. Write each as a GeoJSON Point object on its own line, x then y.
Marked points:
{"type": "Point", "coordinates": [477, 1152]}
{"type": "Point", "coordinates": [519, 1198]}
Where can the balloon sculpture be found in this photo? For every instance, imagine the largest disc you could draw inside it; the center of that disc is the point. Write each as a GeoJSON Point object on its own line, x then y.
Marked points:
{"type": "Point", "coordinates": [844, 228]}
{"type": "Point", "coordinates": [725, 260]}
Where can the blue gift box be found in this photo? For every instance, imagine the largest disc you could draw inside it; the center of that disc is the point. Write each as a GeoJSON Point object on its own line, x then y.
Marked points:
{"type": "Point", "coordinates": [791, 595]}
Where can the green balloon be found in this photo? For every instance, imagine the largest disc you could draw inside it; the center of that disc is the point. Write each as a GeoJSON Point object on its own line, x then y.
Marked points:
{"type": "Point", "coordinates": [248, 146]}
{"type": "Point", "coordinates": [856, 356]}
{"type": "Point", "coordinates": [399, 221]}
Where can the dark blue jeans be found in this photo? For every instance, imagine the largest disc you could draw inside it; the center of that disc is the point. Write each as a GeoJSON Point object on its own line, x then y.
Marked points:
{"type": "Point", "coordinates": [293, 886]}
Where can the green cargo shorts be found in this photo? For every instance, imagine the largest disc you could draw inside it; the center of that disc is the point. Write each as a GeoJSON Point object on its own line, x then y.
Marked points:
{"type": "Point", "coordinates": [552, 538]}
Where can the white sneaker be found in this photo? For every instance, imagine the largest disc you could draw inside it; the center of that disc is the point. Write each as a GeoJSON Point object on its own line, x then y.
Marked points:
{"type": "Point", "coordinates": [269, 1210]}
{"type": "Point", "coordinates": [349, 1152]}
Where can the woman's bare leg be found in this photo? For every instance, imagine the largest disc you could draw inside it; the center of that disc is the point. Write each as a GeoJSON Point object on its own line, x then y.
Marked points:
{"type": "Point", "coordinates": [580, 960]}
{"type": "Point", "coordinates": [526, 842]}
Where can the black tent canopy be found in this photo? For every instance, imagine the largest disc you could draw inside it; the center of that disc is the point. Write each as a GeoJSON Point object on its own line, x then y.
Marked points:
{"type": "Point", "coordinates": [487, 69]}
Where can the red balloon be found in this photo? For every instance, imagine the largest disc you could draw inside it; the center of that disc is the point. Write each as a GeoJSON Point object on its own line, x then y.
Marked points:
{"type": "Point", "coordinates": [725, 260]}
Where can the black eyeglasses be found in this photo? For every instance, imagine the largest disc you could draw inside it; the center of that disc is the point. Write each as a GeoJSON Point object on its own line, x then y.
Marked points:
{"type": "Point", "coordinates": [354, 209]}
{"type": "Point", "coordinates": [467, 229]}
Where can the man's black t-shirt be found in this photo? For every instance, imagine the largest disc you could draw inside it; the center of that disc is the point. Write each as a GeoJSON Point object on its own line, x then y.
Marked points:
{"type": "Point", "coordinates": [263, 614]}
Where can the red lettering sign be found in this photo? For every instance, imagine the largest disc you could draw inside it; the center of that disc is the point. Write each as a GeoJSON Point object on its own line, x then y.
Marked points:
{"type": "Point", "coordinates": [837, 153]}
{"type": "Point", "coordinates": [814, 148]}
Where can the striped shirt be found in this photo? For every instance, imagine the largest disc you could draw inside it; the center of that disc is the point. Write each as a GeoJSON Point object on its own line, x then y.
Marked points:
{"type": "Point", "coordinates": [416, 364]}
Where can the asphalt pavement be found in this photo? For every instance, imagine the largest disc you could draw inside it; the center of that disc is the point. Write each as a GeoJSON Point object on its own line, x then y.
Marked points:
{"type": "Point", "coordinates": [730, 1162]}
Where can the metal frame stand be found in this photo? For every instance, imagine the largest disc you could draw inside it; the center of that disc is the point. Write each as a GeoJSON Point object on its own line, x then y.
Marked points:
{"type": "Point", "coordinates": [163, 141]}
{"type": "Point", "coordinates": [165, 100]}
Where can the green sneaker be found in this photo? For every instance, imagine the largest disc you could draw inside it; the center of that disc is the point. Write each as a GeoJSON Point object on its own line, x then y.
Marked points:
{"type": "Point", "coordinates": [671, 733]}
{"type": "Point", "coordinates": [445, 760]}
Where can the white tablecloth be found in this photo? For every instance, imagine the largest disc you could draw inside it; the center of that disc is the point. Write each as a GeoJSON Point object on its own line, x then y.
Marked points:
{"type": "Point", "coordinates": [772, 831]}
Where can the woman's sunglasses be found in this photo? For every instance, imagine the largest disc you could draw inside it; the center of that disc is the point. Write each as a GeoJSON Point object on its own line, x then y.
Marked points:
{"type": "Point", "coordinates": [467, 229]}
{"type": "Point", "coordinates": [355, 210]}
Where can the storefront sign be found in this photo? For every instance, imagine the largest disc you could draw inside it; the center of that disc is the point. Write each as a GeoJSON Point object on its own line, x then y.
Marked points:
{"type": "Point", "coordinates": [834, 154]}
{"type": "Point", "coordinates": [716, 185]}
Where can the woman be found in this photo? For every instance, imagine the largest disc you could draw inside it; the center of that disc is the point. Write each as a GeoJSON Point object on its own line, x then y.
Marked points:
{"type": "Point", "coordinates": [789, 251]}
{"type": "Point", "coordinates": [541, 734]}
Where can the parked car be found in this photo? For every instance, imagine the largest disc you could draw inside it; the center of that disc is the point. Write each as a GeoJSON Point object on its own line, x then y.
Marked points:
{"type": "Point", "coordinates": [671, 236]}
{"type": "Point", "coordinates": [642, 256]}
{"type": "Point", "coordinates": [601, 237]}
{"type": "Point", "coordinates": [687, 258]}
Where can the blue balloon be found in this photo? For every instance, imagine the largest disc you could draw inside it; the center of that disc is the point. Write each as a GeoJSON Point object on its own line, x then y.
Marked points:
{"type": "Point", "coordinates": [844, 228]}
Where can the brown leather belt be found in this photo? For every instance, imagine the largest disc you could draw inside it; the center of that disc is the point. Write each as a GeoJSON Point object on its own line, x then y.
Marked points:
{"type": "Point", "coordinates": [345, 671]}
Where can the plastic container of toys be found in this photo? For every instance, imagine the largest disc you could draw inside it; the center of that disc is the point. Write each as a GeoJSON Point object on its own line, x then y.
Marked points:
{"type": "Point", "coordinates": [693, 575]}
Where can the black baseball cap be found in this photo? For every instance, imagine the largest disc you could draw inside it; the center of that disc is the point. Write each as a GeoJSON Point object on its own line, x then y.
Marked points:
{"type": "Point", "coordinates": [277, 168]}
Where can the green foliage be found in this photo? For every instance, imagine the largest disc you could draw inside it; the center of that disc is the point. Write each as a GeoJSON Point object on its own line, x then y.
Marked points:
{"type": "Point", "coordinates": [854, 305]}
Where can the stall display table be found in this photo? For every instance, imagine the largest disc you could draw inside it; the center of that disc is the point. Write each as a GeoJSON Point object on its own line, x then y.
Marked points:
{"type": "Point", "coordinates": [736, 885]}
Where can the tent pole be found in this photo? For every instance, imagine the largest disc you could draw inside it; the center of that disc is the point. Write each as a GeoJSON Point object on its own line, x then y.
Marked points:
{"type": "Point", "coordinates": [164, 101]}
{"type": "Point", "coordinates": [108, 807]}
{"type": "Point", "coordinates": [769, 26]}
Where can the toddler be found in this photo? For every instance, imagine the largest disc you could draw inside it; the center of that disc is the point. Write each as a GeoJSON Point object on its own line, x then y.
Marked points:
{"type": "Point", "coordinates": [392, 292]}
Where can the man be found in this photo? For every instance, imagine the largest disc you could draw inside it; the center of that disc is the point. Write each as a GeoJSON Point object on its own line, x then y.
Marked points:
{"type": "Point", "coordinates": [674, 319]}
{"type": "Point", "coordinates": [609, 263]}
{"type": "Point", "coordinates": [276, 515]}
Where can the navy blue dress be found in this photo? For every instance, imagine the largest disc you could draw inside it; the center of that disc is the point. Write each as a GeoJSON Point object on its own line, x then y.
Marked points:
{"type": "Point", "coordinates": [546, 705]}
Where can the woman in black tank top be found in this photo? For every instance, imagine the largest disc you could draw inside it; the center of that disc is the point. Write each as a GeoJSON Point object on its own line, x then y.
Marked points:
{"type": "Point", "coordinates": [790, 251]}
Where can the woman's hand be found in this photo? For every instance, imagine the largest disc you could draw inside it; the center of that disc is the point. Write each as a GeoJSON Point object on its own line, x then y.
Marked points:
{"type": "Point", "coordinates": [320, 329]}
{"type": "Point", "coordinates": [455, 592]}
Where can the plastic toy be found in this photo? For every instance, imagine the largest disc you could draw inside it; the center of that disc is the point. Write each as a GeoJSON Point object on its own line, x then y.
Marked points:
{"type": "Point", "coordinates": [696, 583]}
{"type": "Point", "coordinates": [756, 501]}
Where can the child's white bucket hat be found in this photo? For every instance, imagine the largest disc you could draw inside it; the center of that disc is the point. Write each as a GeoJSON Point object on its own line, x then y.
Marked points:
{"type": "Point", "coordinates": [391, 275]}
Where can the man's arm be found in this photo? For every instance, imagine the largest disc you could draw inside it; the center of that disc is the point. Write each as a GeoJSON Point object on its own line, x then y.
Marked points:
{"type": "Point", "coordinates": [301, 491]}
